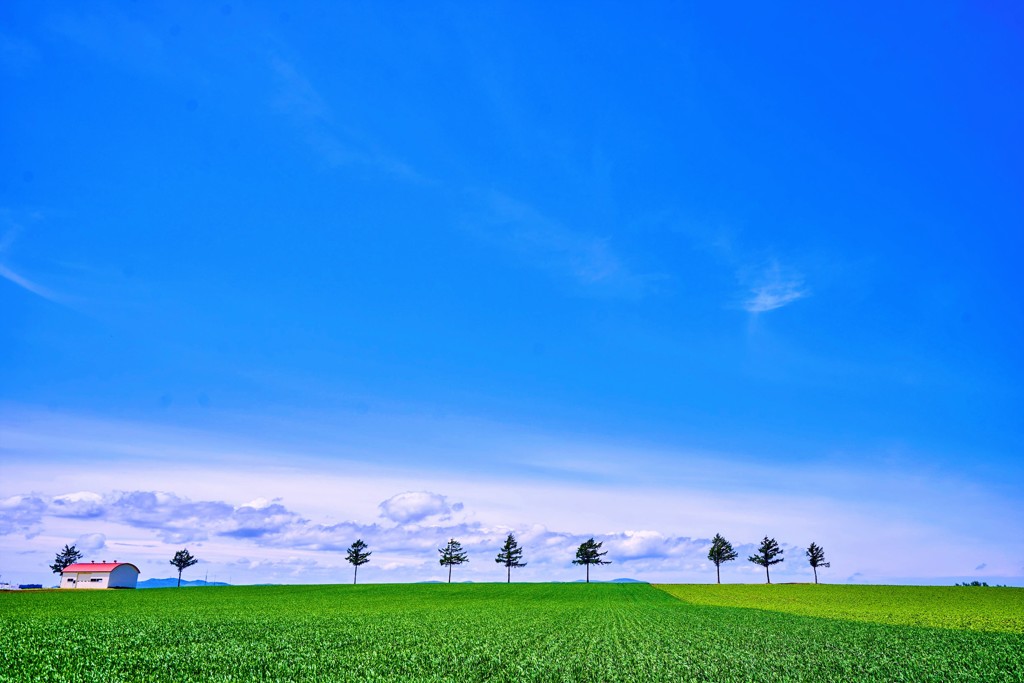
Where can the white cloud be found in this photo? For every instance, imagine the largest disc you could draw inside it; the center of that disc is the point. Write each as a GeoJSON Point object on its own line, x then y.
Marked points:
{"type": "Point", "coordinates": [21, 515]}
{"type": "Point", "coordinates": [90, 543]}
{"type": "Point", "coordinates": [259, 503]}
{"type": "Point", "coordinates": [252, 522]}
{"type": "Point", "coordinates": [774, 289]}
{"type": "Point", "coordinates": [416, 506]}
{"type": "Point", "coordinates": [78, 504]}
{"type": "Point", "coordinates": [651, 544]}
{"type": "Point", "coordinates": [173, 518]}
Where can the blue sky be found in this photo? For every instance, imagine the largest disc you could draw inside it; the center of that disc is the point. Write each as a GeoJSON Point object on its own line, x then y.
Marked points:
{"type": "Point", "coordinates": [272, 279]}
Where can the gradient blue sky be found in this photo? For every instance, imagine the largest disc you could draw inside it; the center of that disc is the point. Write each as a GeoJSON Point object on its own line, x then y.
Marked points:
{"type": "Point", "coordinates": [272, 279]}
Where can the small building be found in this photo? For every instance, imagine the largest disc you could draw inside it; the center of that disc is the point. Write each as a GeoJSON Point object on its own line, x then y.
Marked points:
{"type": "Point", "coordinates": [100, 575]}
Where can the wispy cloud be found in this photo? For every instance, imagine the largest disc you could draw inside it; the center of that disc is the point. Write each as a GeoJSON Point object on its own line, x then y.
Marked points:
{"type": "Point", "coordinates": [13, 230]}
{"type": "Point", "coordinates": [767, 283]}
{"type": "Point", "coordinates": [775, 288]}
{"type": "Point", "coordinates": [338, 145]}
{"type": "Point", "coordinates": [588, 260]}
{"type": "Point", "coordinates": [28, 285]}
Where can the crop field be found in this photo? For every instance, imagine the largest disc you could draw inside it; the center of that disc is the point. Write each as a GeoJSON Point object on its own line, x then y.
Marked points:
{"type": "Point", "coordinates": [477, 632]}
{"type": "Point", "coordinates": [977, 609]}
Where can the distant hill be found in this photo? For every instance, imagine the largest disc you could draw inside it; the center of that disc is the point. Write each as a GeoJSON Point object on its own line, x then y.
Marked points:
{"type": "Point", "coordinates": [612, 581]}
{"type": "Point", "coordinates": [172, 582]}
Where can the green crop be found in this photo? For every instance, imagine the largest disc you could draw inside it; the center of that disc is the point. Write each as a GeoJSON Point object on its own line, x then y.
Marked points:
{"type": "Point", "coordinates": [460, 632]}
{"type": "Point", "coordinates": [992, 609]}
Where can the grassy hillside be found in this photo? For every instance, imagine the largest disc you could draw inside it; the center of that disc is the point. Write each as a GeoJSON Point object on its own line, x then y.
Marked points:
{"type": "Point", "coordinates": [976, 609]}
{"type": "Point", "coordinates": [557, 632]}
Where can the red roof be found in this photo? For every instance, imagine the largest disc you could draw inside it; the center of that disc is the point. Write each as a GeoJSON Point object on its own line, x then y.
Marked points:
{"type": "Point", "coordinates": [96, 566]}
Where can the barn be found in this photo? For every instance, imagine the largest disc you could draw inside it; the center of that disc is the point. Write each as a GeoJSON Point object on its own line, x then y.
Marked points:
{"type": "Point", "coordinates": [100, 575]}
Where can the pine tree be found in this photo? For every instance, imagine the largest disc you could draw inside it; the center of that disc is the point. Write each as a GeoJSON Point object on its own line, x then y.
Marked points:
{"type": "Point", "coordinates": [65, 558]}
{"type": "Point", "coordinates": [816, 557]}
{"type": "Point", "coordinates": [357, 557]}
{"type": "Point", "coordinates": [451, 555]}
{"type": "Point", "coordinates": [587, 554]}
{"type": "Point", "coordinates": [510, 556]}
{"type": "Point", "coordinates": [721, 551]}
{"type": "Point", "coordinates": [183, 560]}
{"type": "Point", "coordinates": [766, 554]}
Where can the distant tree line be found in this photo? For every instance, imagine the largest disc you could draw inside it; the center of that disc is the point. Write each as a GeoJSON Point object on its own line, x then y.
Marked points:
{"type": "Point", "coordinates": [768, 554]}
{"type": "Point", "coordinates": [979, 584]}
{"type": "Point", "coordinates": [510, 556]}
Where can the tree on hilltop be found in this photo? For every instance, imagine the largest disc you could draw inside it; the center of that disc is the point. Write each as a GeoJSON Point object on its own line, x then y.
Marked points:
{"type": "Point", "coordinates": [183, 560]}
{"type": "Point", "coordinates": [588, 554]}
{"type": "Point", "coordinates": [357, 556]}
{"type": "Point", "coordinates": [451, 555]}
{"type": "Point", "coordinates": [65, 558]}
{"type": "Point", "coordinates": [766, 555]}
{"type": "Point", "coordinates": [721, 551]}
{"type": "Point", "coordinates": [816, 557]}
{"type": "Point", "coordinates": [510, 556]}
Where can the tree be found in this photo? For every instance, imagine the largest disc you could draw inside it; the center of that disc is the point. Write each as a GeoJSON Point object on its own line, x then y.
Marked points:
{"type": "Point", "coordinates": [766, 554]}
{"type": "Point", "coordinates": [451, 555]}
{"type": "Point", "coordinates": [65, 558]}
{"type": "Point", "coordinates": [721, 551]}
{"type": "Point", "coordinates": [816, 556]}
{"type": "Point", "coordinates": [510, 556]}
{"type": "Point", "coordinates": [357, 557]}
{"type": "Point", "coordinates": [587, 554]}
{"type": "Point", "coordinates": [183, 560]}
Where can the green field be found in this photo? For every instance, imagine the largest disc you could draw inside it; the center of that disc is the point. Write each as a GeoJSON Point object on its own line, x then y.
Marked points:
{"type": "Point", "coordinates": [976, 609]}
{"type": "Point", "coordinates": [561, 632]}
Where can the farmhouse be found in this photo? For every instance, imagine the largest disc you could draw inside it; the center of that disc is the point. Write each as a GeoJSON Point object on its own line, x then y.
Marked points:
{"type": "Point", "coordinates": [99, 575]}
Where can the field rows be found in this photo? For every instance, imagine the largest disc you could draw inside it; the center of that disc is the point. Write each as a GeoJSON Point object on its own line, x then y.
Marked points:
{"type": "Point", "coordinates": [556, 632]}
{"type": "Point", "coordinates": [976, 609]}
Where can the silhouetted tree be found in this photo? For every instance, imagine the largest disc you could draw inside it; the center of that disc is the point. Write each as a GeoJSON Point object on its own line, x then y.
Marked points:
{"type": "Point", "coordinates": [183, 560]}
{"type": "Point", "coordinates": [510, 556]}
{"type": "Point", "coordinates": [816, 557]}
{"type": "Point", "coordinates": [766, 554]}
{"type": "Point", "coordinates": [721, 551]}
{"type": "Point", "coordinates": [357, 556]}
{"type": "Point", "coordinates": [451, 555]}
{"type": "Point", "coordinates": [65, 558]}
{"type": "Point", "coordinates": [587, 554]}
